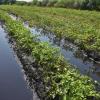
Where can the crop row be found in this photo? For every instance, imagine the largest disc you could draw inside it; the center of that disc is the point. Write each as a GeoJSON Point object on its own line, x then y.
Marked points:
{"type": "Point", "coordinates": [60, 79]}
{"type": "Point", "coordinates": [80, 27]}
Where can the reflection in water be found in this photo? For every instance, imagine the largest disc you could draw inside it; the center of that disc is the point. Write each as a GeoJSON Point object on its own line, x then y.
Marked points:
{"type": "Point", "coordinates": [12, 81]}
{"type": "Point", "coordinates": [70, 52]}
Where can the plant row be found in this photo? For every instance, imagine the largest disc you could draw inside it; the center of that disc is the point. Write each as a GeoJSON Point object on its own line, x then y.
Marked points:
{"type": "Point", "coordinates": [80, 27]}
{"type": "Point", "coordinates": [60, 79]}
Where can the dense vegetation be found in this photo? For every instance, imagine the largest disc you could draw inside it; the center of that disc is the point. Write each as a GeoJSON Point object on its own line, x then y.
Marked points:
{"type": "Point", "coordinates": [60, 79]}
{"type": "Point", "coordinates": [78, 4]}
{"type": "Point", "coordinates": [80, 27]}
{"type": "Point", "coordinates": [7, 1]}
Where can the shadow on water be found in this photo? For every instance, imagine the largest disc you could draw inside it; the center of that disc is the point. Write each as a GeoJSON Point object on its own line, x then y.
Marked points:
{"type": "Point", "coordinates": [70, 52]}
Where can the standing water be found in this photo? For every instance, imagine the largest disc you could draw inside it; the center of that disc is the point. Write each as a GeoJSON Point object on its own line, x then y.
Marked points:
{"type": "Point", "coordinates": [68, 50]}
{"type": "Point", "coordinates": [70, 53]}
{"type": "Point", "coordinates": [12, 83]}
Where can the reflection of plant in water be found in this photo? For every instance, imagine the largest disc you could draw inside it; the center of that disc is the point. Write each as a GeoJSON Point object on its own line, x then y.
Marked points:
{"type": "Point", "coordinates": [81, 55]}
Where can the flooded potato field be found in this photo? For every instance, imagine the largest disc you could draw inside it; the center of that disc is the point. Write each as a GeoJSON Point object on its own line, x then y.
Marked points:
{"type": "Point", "coordinates": [46, 54]}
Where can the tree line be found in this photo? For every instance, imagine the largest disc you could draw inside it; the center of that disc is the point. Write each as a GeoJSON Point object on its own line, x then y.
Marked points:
{"type": "Point", "coordinates": [77, 4]}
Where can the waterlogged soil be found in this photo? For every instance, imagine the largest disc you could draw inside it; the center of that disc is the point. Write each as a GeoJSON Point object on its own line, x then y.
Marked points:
{"type": "Point", "coordinates": [71, 52]}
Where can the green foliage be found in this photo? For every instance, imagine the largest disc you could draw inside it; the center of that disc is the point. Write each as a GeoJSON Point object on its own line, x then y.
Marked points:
{"type": "Point", "coordinates": [7, 1]}
{"type": "Point", "coordinates": [35, 2]}
{"type": "Point", "coordinates": [78, 4]}
{"type": "Point", "coordinates": [52, 2]}
{"type": "Point", "coordinates": [80, 27]}
{"type": "Point", "coordinates": [59, 77]}
{"type": "Point", "coordinates": [21, 3]}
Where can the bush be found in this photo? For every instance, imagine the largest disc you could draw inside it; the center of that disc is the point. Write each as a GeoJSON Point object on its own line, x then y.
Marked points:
{"type": "Point", "coordinates": [35, 2]}
{"type": "Point", "coordinates": [21, 3]}
{"type": "Point", "coordinates": [52, 2]}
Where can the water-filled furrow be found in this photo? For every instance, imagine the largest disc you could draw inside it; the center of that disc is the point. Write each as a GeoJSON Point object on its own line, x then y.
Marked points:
{"type": "Point", "coordinates": [12, 82]}
{"type": "Point", "coordinates": [70, 52]}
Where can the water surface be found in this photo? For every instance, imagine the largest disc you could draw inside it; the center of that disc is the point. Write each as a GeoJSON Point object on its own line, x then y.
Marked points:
{"type": "Point", "coordinates": [70, 52]}
{"type": "Point", "coordinates": [12, 83]}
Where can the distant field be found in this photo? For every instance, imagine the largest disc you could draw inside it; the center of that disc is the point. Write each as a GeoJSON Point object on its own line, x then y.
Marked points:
{"type": "Point", "coordinates": [80, 27]}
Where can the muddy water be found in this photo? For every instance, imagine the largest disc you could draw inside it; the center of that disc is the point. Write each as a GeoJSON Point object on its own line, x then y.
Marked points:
{"type": "Point", "coordinates": [12, 83]}
{"type": "Point", "coordinates": [70, 52]}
